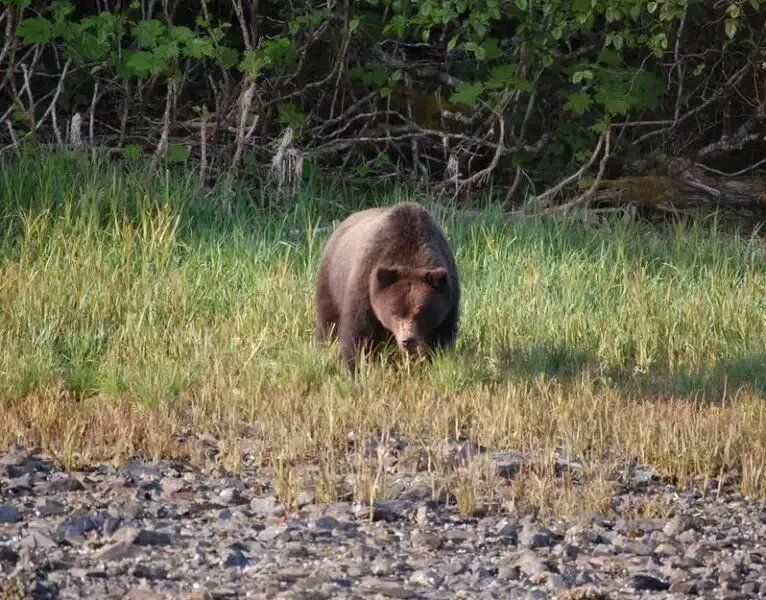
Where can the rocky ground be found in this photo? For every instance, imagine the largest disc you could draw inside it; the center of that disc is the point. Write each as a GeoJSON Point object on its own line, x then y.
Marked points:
{"type": "Point", "coordinates": [167, 530]}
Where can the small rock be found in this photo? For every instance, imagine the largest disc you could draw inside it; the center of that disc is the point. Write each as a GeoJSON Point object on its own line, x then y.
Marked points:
{"type": "Point", "coordinates": [426, 577]}
{"type": "Point", "coordinates": [391, 510]}
{"type": "Point", "coordinates": [689, 536]}
{"type": "Point", "coordinates": [8, 555]}
{"type": "Point", "coordinates": [423, 539]}
{"type": "Point", "coordinates": [305, 498]}
{"type": "Point", "coordinates": [230, 496]}
{"type": "Point", "coordinates": [9, 514]}
{"type": "Point", "coordinates": [111, 524]}
{"type": "Point", "coordinates": [455, 567]}
{"type": "Point", "coordinates": [507, 528]}
{"type": "Point", "coordinates": [507, 464]}
{"type": "Point", "coordinates": [266, 507]}
{"type": "Point", "coordinates": [116, 551]}
{"type": "Point", "coordinates": [326, 523]}
{"type": "Point", "coordinates": [531, 565]}
{"type": "Point", "coordinates": [236, 560]}
{"type": "Point", "coordinates": [531, 536]}
{"type": "Point", "coordinates": [45, 507]}
{"type": "Point", "coordinates": [148, 572]}
{"type": "Point", "coordinates": [78, 525]}
{"type": "Point", "coordinates": [683, 586]}
{"type": "Point", "coordinates": [649, 582]}
{"type": "Point", "coordinates": [272, 532]}
{"type": "Point", "coordinates": [171, 486]}
{"type": "Point", "coordinates": [644, 475]}
{"type": "Point", "coordinates": [148, 537]}
{"type": "Point", "coordinates": [675, 526]}
{"type": "Point", "coordinates": [37, 539]}
{"type": "Point", "coordinates": [62, 483]}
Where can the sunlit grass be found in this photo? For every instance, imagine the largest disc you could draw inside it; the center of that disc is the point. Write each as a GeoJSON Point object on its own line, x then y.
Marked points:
{"type": "Point", "coordinates": [134, 308]}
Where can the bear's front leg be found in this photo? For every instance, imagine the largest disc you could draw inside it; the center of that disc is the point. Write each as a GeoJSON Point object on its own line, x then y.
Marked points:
{"type": "Point", "coordinates": [356, 333]}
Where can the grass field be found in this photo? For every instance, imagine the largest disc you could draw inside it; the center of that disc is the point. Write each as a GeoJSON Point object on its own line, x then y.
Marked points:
{"type": "Point", "coordinates": [135, 309]}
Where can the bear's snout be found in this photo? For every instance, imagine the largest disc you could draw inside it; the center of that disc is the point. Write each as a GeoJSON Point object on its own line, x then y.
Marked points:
{"type": "Point", "coordinates": [408, 339]}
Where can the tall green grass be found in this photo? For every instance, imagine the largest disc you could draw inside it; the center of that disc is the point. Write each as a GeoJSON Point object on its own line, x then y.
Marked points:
{"type": "Point", "coordinates": [119, 284]}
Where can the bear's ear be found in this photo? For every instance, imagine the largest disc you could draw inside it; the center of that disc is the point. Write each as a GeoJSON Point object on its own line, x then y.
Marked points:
{"type": "Point", "coordinates": [386, 276]}
{"type": "Point", "coordinates": [436, 278]}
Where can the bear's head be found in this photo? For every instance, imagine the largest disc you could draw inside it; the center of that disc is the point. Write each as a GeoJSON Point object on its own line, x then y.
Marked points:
{"type": "Point", "coordinates": [410, 303]}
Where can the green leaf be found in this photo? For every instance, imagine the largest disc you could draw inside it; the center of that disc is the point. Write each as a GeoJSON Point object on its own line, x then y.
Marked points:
{"type": "Point", "coordinates": [176, 153]}
{"type": "Point", "coordinates": [199, 47]}
{"type": "Point", "coordinates": [373, 77]}
{"type": "Point", "coordinates": [467, 93]}
{"type": "Point", "coordinates": [731, 29]}
{"type": "Point", "coordinates": [477, 50]}
{"type": "Point", "coordinates": [60, 9]}
{"type": "Point", "coordinates": [290, 114]}
{"type": "Point", "coordinates": [227, 57]}
{"type": "Point", "coordinates": [609, 57]}
{"type": "Point", "coordinates": [452, 43]}
{"type": "Point", "coordinates": [651, 7]}
{"type": "Point", "coordinates": [35, 31]}
{"type": "Point", "coordinates": [253, 63]}
{"type": "Point", "coordinates": [353, 25]}
{"type": "Point", "coordinates": [733, 11]}
{"type": "Point", "coordinates": [522, 4]}
{"type": "Point", "coordinates": [143, 63]}
{"type": "Point", "coordinates": [279, 51]}
{"type": "Point", "coordinates": [491, 48]}
{"type": "Point", "coordinates": [181, 34]}
{"type": "Point", "coordinates": [547, 60]}
{"type": "Point", "coordinates": [698, 69]}
{"type": "Point", "coordinates": [578, 103]}
{"type": "Point", "coordinates": [148, 32]}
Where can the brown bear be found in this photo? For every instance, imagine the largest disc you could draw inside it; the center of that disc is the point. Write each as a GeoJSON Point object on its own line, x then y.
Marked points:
{"type": "Point", "coordinates": [388, 273]}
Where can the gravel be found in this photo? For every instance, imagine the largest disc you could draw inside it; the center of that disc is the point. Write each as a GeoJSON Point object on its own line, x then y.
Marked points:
{"type": "Point", "coordinates": [168, 530]}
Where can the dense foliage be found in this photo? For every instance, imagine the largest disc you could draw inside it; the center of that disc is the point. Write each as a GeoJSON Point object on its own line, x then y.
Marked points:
{"type": "Point", "coordinates": [524, 91]}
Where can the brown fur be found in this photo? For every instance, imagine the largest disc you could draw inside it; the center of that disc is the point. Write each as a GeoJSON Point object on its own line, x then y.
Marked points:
{"type": "Point", "coordinates": [388, 273]}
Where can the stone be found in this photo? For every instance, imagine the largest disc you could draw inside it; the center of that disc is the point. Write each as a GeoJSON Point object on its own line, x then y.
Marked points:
{"type": "Point", "coordinates": [171, 486]}
{"type": "Point", "coordinates": [455, 567]}
{"type": "Point", "coordinates": [116, 551]}
{"type": "Point", "coordinates": [683, 586]}
{"type": "Point", "coordinates": [62, 483]}
{"type": "Point", "coordinates": [531, 536]}
{"type": "Point", "coordinates": [230, 496]}
{"type": "Point", "coordinates": [144, 571]}
{"type": "Point", "coordinates": [272, 532]}
{"type": "Point", "coordinates": [266, 507]}
{"type": "Point", "coordinates": [426, 577]}
{"type": "Point", "coordinates": [649, 582]}
{"type": "Point", "coordinates": [148, 537]}
{"type": "Point", "coordinates": [675, 526]}
{"type": "Point", "coordinates": [236, 559]}
{"type": "Point", "coordinates": [423, 539]}
{"type": "Point", "coordinates": [9, 514]}
{"type": "Point", "coordinates": [392, 510]}
{"type": "Point", "coordinates": [507, 528]}
{"type": "Point", "coordinates": [38, 540]}
{"type": "Point", "coordinates": [46, 507]}
{"type": "Point", "coordinates": [326, 523]}
{"type": "Point", "coordinates": [77, 526]}
{"type": "Point", "coordinates": [7, 554]}
{"type": "Point", "coordinates": [531, 564]}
